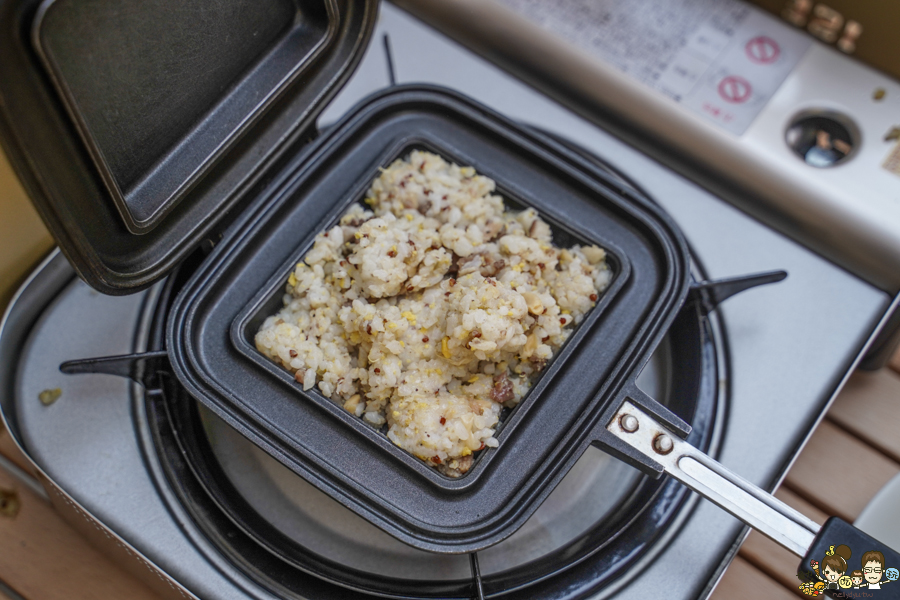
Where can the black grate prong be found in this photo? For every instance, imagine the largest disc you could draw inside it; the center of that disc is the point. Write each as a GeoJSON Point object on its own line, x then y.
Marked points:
{"type": "Point", "coordinates": [389, 57]}
{"type": "Point", "coordinates": [476, 576]}
{"type": "Point", "coordinates": [712, 293]}
{"type": "Point", "coordinates": [131, 366]}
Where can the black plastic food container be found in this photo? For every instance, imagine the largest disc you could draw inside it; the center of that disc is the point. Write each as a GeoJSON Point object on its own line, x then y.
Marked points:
{"type": "Point", "coordinates": [214, 319]}
{"type": "Point", "coordinates": [275, 192]}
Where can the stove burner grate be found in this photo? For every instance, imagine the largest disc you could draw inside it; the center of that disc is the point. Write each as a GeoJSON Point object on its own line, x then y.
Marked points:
{"type": "Point", "coordinates": [594, 559]}
{"type": "Point", "coordinates": [279, 563]}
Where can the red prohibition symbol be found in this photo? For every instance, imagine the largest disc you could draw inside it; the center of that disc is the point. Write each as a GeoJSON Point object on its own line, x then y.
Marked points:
{"type": "Point", "coordinates": [734, 89]}
{"type": "Point", "coordinates": [762, 50]}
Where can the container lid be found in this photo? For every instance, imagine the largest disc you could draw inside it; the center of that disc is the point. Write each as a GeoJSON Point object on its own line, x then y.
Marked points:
{"type": "Point", "coordinates": [138, 132]}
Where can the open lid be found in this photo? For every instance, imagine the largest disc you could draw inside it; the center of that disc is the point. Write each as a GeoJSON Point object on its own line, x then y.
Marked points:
{"type": "Point", "coordinates": [138, 128]}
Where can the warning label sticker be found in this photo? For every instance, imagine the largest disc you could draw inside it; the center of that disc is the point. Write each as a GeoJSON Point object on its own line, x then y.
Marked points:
{"type": "Point", "coordinates": [719, 58]}
{"type": "Point", "coordinates": [734, 89]}
{"type": "Point", "coordinates": [763, 50]}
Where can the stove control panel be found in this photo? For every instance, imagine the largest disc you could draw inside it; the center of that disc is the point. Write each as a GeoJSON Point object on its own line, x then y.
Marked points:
{"type": "Point", "coordinates": [789, 128]}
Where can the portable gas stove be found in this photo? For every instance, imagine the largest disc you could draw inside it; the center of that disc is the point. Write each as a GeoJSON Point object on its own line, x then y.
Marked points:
{"type": "Point", "coordinates": [169, 487]}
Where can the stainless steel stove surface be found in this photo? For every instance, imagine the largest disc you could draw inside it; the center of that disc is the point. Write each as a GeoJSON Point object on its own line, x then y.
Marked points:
{"type": "Point", "coordinates": [789, 347]}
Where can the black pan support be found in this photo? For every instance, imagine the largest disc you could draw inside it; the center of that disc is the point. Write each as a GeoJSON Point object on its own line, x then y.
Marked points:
{"type": "Point", "coordinates": [139, 366]}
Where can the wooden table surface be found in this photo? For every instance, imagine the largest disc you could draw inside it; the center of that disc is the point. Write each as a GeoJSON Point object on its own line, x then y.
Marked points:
{"type": "Point", "coordinates": [862, 426]}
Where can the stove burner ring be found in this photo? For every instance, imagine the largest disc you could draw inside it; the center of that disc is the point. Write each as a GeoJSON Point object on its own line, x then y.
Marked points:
{"type": "Point", "coordinates": [590, 562]}
{"type": "Point", "coordinates": [278, 562]}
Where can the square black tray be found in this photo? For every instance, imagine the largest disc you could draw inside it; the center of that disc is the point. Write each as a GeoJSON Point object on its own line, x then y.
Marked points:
{"type": "Point", "coordinates": [208, 326]}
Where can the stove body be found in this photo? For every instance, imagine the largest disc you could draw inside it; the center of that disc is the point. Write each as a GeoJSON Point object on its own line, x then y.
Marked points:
{"type": "Point", "coordinates": [789, 347]}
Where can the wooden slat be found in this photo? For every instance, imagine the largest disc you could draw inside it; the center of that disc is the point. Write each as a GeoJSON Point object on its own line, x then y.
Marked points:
{"type": "Point", "coordinates": [42, 558]}
{"type": "Point", "coordinates": [895, 361]}
{"type": "Point", "coordinates": [839, 473]}
{"type": "Point", "coordinates": [767, 556]}
{"type": "Point", "coordinates": [869, 408]}
{"type": "Point", "coordinates": [743, 581]}
{"type": "Point", "coordinates": [23, 237]}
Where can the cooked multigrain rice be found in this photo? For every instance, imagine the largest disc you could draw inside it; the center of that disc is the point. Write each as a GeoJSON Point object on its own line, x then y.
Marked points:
{"type": "Point", "coordinates": [433, 309]}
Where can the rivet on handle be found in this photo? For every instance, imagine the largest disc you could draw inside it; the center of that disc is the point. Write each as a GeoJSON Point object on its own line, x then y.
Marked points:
{"type": "Point", "coordinates": [629, 423]}
{"type": "Point", "coordinates": [663, 444]}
